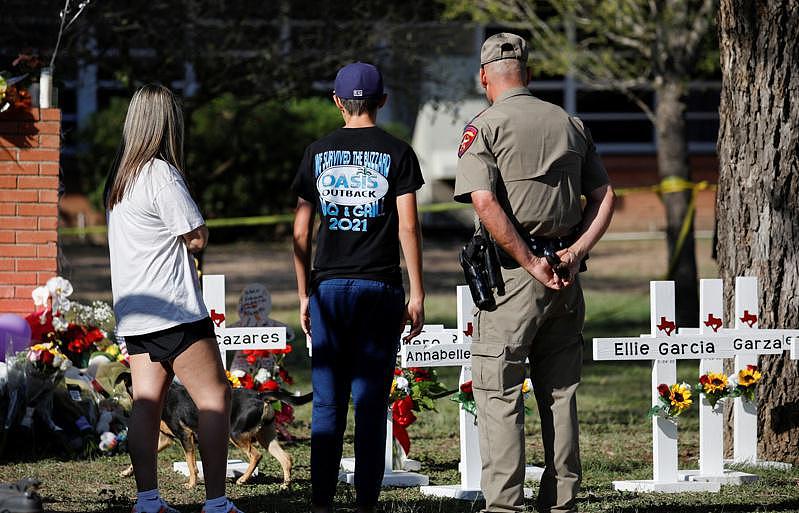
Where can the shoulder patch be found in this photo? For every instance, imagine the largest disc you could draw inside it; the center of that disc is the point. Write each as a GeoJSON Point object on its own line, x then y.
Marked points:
{"type": "Point", "coordinates": [469, 135]}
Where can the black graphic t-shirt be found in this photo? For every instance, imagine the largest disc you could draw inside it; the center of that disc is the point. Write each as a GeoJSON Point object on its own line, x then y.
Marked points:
{"type": "Point", "coordinates": [353, 176]}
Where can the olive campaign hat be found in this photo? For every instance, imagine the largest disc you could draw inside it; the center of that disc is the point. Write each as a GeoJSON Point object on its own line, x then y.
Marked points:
{"type": "Point", "coordinates": [503, 46]}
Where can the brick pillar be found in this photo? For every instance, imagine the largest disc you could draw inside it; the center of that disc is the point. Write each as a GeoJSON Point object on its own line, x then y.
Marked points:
{"type": "Point", "coordinates": [29, 160]}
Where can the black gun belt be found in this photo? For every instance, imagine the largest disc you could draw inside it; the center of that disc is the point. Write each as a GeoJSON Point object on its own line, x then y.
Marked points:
{"type": "Point", "coordinates": [540, 247]}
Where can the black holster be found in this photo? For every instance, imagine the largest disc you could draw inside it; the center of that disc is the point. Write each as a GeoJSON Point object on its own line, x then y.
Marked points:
{"type": "Point", "coordinates": [481, 267]}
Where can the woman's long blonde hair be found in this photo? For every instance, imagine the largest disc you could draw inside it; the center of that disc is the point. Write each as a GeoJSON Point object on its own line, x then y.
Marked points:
{"type": "Point", "coordinates": [153, 128]}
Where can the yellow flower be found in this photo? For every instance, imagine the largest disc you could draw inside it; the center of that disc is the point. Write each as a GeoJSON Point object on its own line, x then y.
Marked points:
{"type": "Point", "coordinates": [233, 380]}
{"type": "Point", "coordinates": [716, 382]}
{"type": "Point", "coordinates": [748, 376]}
{"type": "Point", "coordinates": [527, 386]}
{"type": "Point", "coordinates": [680, 397]}
{"type": "Point", "coordinates": [393, 386]}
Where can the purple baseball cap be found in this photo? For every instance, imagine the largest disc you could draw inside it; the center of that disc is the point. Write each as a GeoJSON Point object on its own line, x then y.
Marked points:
{"type": "Point", "coordinates": [359, 81]}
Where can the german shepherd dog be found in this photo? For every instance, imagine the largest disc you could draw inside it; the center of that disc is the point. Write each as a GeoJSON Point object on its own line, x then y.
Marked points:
{"type": "Point", "coordinates": [252, 421]}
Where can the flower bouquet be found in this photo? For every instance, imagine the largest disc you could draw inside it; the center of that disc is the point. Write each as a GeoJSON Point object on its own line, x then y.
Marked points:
{"type": "Point", "coordinates": [746, 382]}
{"type": "Point", "coordinates": [465, 397]}
{"type": "Point", "coordinates": [714, 386]}
{"type": "Point", "coordinates": [674, 400]}
{"type": "Point", "coordinates": [77, 330]}
{"type": "Point", "coordinates": [413, 390]}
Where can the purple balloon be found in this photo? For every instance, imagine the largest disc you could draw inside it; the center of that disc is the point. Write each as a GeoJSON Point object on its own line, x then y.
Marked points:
{"type": "Point", "coordinates": [15, 334]}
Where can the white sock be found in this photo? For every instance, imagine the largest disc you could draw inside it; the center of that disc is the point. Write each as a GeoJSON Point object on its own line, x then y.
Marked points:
{"type": "Point", "coordinates": [148, 502]}
{"type": "Point", "coordinates": [218, 505]}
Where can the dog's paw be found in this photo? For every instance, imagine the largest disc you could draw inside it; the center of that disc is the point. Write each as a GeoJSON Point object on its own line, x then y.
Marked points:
{"type": "Point", "coordinates": [189, 485]}
{"type": "Point", "coordinates": [127, 472]}
{"type": "Point", "coordinates": [242, 480]}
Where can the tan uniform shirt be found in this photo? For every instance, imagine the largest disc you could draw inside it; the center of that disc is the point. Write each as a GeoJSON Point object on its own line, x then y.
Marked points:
{"type": "Point", "coordinates": [536, 158]}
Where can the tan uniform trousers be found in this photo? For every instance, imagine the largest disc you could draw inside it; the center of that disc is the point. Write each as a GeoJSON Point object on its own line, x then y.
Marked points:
{"type": "Point", "coordinates": [544, 325]}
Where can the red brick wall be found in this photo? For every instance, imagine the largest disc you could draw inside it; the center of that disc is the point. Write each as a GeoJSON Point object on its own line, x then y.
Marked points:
{"type": "Point", "coordinates": [29, 156]}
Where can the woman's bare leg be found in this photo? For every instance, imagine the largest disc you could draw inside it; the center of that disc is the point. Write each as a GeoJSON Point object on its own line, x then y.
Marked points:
{"type": "Point", "coordinates": [150, 383]}
{"type": "Point", "coordinates": [200, 370]}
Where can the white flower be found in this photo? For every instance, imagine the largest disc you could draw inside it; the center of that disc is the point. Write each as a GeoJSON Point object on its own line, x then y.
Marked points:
{"type": "Point", "coordinates": [59, 323]}
{"type": "Point", "coordinates": [60, 289]}
{"type": "Point", "coordinates": [402, 383]}
{"type": "Point", "coordinates": [262, 375]}
{"type": "Point", "coordinates": [238, 373]}
{"type": "Point", "coordinates": [41, 296]}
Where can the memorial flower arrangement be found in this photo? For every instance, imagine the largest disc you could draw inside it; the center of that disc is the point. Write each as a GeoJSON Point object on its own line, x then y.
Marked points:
{"type": "Point", "coordinates": [674, 401]}
{"type": "Point", "coordinates": [263, 371]}
{"type": "Point", "coordinates": [746, 382]}
{"type": "Point", "coordinates": [77, 330]}
{"type": "Point", "coordinates": [465, 397]}
{"type": "Point", "coordinates": [714, 386]}
{"type": "Point", "coordinates": [413, 390]}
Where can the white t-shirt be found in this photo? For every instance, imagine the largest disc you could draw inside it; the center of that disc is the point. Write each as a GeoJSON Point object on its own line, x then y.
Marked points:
{"type": "Point", "coordinates": [153, 277]}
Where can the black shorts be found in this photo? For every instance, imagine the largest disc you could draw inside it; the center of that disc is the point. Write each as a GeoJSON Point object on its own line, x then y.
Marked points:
{"type": "Point", "coordinates": [165, 345]}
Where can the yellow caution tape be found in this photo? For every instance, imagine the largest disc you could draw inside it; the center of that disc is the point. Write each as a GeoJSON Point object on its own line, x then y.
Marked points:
{"type": "Point", "coordinates": [668, 185]}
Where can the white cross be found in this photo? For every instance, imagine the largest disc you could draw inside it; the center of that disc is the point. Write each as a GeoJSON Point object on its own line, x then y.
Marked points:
{"type": "Point", "coordinates": [750, 343]}
{"type": "Point", "coordinates": [663, 346]}
{"type": "Point", "coordinates": [236, 339]}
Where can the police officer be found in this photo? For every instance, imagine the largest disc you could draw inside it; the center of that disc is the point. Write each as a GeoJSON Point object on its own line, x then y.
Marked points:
{"type": "Point", "coordinates": [524, 164]}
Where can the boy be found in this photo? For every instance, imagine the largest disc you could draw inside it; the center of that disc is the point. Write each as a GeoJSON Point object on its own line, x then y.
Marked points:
{"type": "Point", "coordinates": [363, 183]}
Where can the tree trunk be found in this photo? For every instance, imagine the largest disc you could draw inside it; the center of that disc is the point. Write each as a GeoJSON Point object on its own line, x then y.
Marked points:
{"type": "Point", "coordinates": [672, 158]}
{"type": "Point", "coordinates": [758, 197]}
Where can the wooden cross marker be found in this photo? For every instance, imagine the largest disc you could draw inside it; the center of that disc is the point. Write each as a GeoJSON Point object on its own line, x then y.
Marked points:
{"type": "Point", "coordinates": [711, 420]}
{"type": "Point", "coordinates": [236, 339]}
{"type": "Point", "coordinates": [750, 342]}
{"type": "Point", "coordinates": [663, 346]}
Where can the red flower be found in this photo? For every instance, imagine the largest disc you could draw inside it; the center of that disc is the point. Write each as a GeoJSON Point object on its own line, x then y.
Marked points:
{"type": "Point", "coordinates": [269, 386]}
{"type": "Point", "coordinates": [247, 382]}
{"type": "Point", "coordinates": [47, 357]}
{"type": "Point", "coordinates": [94, 335]}
{"type": "Point", "coordinates": [285, 377]}
{"type": "Point", "coordinates": [703, 379]}
{"type": "Point", "coordinates": [420, 374]}
{"type": "Point", "coordinates": [663, 390]}
{"type": "Point", "coordinates": [287, 350]}
{"type": "Point", "coordinates": [751, 367]}
{"type": "Point", "coordinates": [466, 388]}
{"type": "Point", "coordinates": [285, 415]}
{"type": "Point", "coordinates": [251, 359]}
{"type": "Point", "coordinates": [398, 372]}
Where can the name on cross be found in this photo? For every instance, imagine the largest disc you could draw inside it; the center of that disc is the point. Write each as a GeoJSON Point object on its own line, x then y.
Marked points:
{"type": "Point", "coordinates": [676, 347]}
{"type": "Point", "coordinates": [251, 338]}
{"type": "Point", "coordinates": [436, 355]}
{"type": "Point", "coordinates": [759, 341]}
{"type": "Point", "coordinates": [427, 338]}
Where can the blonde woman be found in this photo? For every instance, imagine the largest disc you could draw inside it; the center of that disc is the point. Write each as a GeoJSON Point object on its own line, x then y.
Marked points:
{"type": "Point", "coordinates": [153, 227]}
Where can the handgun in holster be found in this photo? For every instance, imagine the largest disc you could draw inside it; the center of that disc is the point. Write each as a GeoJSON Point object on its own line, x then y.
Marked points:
{"type": "Point", "coordinates": [480, 262]}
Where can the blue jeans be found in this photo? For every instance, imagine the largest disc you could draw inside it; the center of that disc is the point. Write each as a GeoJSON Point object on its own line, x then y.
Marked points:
{"type": "Point", "coordinates": [355, 328]}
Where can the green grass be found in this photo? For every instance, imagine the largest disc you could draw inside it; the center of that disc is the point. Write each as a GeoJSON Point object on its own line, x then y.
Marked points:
{"type": "Point", "coordinates": [615, 444]}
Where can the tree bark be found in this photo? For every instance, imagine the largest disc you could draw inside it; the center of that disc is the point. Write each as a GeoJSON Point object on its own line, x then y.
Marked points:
{"type": "Point", "coordinates": [758, 198]}
{"type": "Point", "coordinates": [672, 159]}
